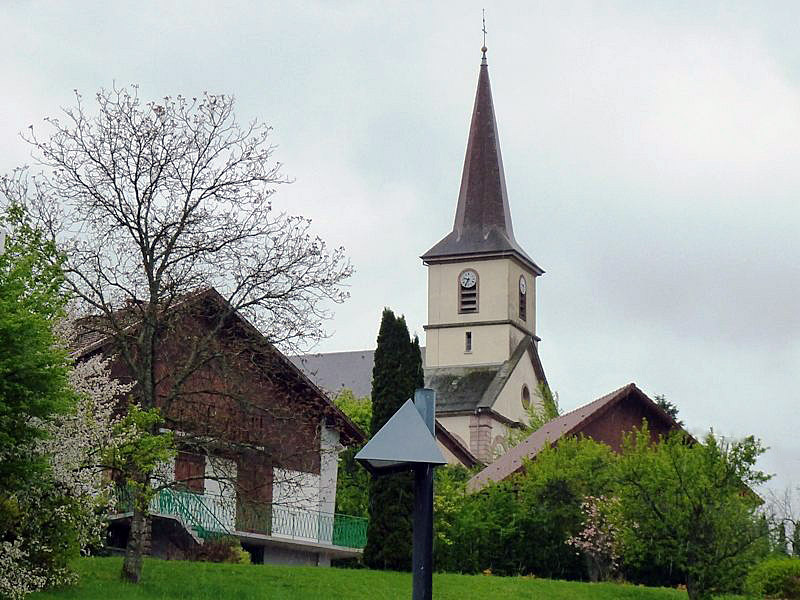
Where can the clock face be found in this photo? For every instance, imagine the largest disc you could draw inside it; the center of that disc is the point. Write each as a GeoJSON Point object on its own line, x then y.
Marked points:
{"type": "Point", "coordinates": [523, 286]}
{"type": "Point", "coordinates": [469, 279]}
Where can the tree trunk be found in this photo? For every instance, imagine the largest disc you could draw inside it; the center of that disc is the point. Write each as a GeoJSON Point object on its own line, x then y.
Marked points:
{"type": "Point", "coordinates": [695, 590]}
{"type": "Point", "coordinates": [138, 545]}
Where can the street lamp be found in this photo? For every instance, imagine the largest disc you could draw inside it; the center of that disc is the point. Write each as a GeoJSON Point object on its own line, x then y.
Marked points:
{"type": "Point", "coordinates": [407, 442]}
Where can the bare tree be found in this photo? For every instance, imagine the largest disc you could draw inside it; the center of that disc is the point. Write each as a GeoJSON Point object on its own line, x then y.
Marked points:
{"type": "Point", "coordinates": [153, 205]}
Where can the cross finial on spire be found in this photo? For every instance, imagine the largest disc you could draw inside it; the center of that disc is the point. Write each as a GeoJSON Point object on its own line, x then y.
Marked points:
{"type": "Point", "coordinates": [484, 48]}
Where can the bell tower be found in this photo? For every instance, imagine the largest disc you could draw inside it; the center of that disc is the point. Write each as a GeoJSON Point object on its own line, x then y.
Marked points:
{"type": "Point", "coordinates": [481, 283]}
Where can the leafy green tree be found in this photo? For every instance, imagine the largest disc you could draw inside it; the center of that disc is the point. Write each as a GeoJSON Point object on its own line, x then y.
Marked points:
{"type": "Point", "coordinates": [36, 537]}
{"type": "Point", "coordinates": [395, 376]}
{"type": "Point", "coordinates": [493, 529]}
{"type": "Point", "coordinates": [352, 483]}
{"type": "Point", "coordinates": [689, 506]}
{"type": "Point", "coordinates": [33, 369]}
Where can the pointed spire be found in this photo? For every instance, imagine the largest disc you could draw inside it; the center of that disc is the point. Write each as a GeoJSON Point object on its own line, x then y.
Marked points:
{"type": "Point", "coordinates": [483, 218]}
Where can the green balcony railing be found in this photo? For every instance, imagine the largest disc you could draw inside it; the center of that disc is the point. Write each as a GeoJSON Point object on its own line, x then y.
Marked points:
{"type": "Point", "coordinates": [210, 515]}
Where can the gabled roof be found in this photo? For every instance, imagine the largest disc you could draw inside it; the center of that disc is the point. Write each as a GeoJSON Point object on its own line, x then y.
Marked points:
{"type": "Point", "coordinates": [335, 371]}
{"type": "Point", "coordinates": [93, 338]}
{"type": "Point", "coordinates": [482, 225]}
{"type": "Point", "coordinates": [571, 423]}
{"type": "Point", "coordinates": [473, 388]}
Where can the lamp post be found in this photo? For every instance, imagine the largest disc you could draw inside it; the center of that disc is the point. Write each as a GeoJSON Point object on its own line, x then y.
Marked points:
{"type": "Point", "coordinates": [407, 442]}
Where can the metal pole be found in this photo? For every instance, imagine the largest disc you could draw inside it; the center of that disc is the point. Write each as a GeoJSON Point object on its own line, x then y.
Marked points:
{"type": "Point", "coordinates": [422, 560]}
{"type": "Point", "coordinates": [422, 555]}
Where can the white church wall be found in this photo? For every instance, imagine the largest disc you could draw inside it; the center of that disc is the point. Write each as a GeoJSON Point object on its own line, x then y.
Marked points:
{"type": "Point", "coordinates": [515, 271]}
{"type": "Point", "coordinates": [509, 400]}
{"type": "Point", "coordinates": [458, 426]}
{"type": "Point", "coordinates": [443, 288]}
{"type": "Point", "coordinates": [446, 346]}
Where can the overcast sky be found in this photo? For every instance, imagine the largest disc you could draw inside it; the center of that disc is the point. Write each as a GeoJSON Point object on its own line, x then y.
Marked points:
{"type": "Point", "coordinates": [652, 155]}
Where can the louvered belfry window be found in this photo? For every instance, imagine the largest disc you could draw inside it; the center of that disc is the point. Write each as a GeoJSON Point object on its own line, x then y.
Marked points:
{"type": "Point", "coordinates": [468, 291]}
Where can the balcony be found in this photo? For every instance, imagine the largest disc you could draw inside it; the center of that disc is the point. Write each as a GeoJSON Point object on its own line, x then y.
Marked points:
{"type": "Point", "coordinates": [209, 515]}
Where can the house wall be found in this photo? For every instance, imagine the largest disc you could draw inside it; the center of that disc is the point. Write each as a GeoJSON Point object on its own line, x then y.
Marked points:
{"type": "Point", "coordinates": [241, 396]}
{"type": "Point", "coordinates": [329, 468]}
{"type": "Point", "coordinates": [623, 417]}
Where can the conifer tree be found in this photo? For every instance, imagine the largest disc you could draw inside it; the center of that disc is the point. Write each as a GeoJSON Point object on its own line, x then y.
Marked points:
{"type": "Point", "coordinates": [395, 376]}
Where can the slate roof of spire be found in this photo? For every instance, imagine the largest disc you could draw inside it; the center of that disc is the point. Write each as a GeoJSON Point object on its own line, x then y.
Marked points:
{"type": "Point", "coordinates": [483, 218]}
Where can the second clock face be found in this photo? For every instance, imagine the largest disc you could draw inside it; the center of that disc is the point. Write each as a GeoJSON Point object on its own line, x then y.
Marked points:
{"type": "Point", "coordinates": [469, 279]}
{"type": "Point", "coordinates": [523, 286]}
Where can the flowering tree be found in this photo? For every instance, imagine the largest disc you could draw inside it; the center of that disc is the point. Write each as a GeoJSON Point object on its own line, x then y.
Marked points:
{"type": "Point", "coordinates": [599, 540]}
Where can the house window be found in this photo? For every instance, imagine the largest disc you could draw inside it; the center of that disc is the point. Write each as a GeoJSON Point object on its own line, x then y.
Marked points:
{"type": "Point", "coordinates": [526, 397]}
{"type": "Point", "coordinates": [523, 298]}
{"type": "Point", "coordinates": [468, 291]}
{"type": "Point", "coordinates": [468, 342]}
{"type": "Point", "coordinates": [190, 471]}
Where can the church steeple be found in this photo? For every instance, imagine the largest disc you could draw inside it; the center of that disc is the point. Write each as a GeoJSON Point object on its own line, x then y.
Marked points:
{"type": "Point", "coordinates": [482, 225]}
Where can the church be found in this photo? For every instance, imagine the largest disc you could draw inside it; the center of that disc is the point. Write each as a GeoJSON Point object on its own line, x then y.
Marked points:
{"type": "Point", "coordinates": [481, 354]}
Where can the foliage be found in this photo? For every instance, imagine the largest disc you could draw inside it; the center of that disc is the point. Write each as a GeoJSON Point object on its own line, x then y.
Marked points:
{"type": "Point", "coordinates": [599, 540]}
{"type": "Point", "coordinates": [449, 490]}
{"type": "Point", "coordinates": [493, 529]}
{"type": "Point", "coordinates": [221, 550]}
{"type": "Point", "coordinates": [352, 484]}
{"type": "Point", "coordinates": [33, 368]}
{"type": "Point", "coordinates": [37, 520]}
{"type": "Point", "coordinates": [395, 376]}
{"type": "Point", "coordinates": [59, 417]}
{"type": "Point", "coordinates": [774, 577]}
{"type": "Point", "coordinates": [181, 580]}
{"type": "Point", "coordinates": [689, 507]}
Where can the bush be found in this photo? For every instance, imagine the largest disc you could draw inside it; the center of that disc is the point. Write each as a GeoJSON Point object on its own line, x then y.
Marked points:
{"type": "Point", "coordinates": [775, 578]}
{"type": "Point", "coordinates": [221, 550]}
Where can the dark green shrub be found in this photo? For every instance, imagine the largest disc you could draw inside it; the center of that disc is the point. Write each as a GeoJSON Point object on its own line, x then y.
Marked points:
{"type": "Point", "coordinates": [221, 550]}
{"type": "Point", "coordinates": [775, 578]}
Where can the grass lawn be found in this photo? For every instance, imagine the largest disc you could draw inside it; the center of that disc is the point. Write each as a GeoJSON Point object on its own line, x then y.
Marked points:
{"type": "Point", "coordinates": [175, 579]}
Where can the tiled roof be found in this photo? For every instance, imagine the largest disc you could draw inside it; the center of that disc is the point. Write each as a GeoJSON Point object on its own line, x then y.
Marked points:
{"type": "Point", "coordinates": [460, 389]}
{"type": "Point", "coordinates": [335, 371]}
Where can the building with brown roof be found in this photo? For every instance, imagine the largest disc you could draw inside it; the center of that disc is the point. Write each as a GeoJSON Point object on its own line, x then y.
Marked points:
{"type": "Point", "coordinates": [258, 441]}
{"type": "Point", "coordinates": [605, 420]}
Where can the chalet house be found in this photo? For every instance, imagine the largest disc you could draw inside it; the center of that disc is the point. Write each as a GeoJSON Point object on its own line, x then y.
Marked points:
{"type": "Point", "coordinates": [258, 441]}
{"type": "Point", "coordinates": [605, 420]}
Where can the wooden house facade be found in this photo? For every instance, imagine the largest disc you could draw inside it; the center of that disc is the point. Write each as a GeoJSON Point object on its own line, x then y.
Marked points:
{"type": "Point", "coordinates": [257, 441]}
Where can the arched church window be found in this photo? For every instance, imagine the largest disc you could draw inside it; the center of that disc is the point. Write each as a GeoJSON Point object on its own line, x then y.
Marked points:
{"type": "Point", "coordinates": [523, 298]}
{"type": "Point", "coordinates": [468, 291]}
{"type": "Point", "coordinates": [526, 397]}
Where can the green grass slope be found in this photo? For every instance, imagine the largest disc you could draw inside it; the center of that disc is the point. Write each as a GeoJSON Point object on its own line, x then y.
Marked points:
{"type": "Point", "coordinates": [175, 580]}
